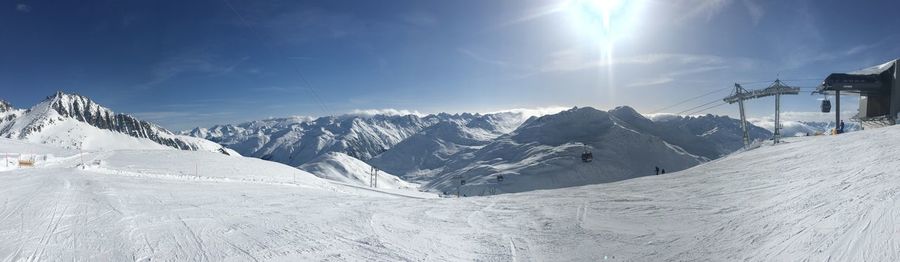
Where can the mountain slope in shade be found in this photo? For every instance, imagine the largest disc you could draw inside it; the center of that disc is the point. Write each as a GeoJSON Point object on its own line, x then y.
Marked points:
{"type": "Point", "coordinates": [721, 135]}
{"type": "Point", "coordinates": [545, 153]}
{"type": "Point", "coordinates": [75, 121]}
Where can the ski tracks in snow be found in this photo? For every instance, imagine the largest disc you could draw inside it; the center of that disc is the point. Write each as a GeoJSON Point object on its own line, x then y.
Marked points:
{"type": "Point", "coordinates": [487, 218]}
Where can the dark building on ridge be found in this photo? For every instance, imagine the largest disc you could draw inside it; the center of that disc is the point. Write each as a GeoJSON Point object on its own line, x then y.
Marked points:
{"type": "Point", "coordinates": [878, 91]}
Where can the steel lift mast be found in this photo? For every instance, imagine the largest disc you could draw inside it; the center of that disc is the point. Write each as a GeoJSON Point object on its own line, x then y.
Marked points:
{"type": "Point", "coordinates": [775, 89]}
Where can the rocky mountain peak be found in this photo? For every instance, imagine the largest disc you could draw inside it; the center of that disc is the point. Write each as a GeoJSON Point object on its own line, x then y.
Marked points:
{"type": "Point", "coordinates": [5, 106]}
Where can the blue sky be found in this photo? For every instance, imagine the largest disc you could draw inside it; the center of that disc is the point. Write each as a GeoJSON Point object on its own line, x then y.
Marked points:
{"type": "Point", "coordinates": [190, 63]}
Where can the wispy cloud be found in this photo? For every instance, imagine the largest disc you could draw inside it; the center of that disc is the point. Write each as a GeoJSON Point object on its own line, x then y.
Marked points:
{"type": "Point", "coordinates": [573, 60]}
{"type": "Point", "coordinates": [24, 8]}
{"type": "Point", "coordinates": [521, 70]}
{"type": "Point", "coordinates": [305, 25]}
{"type": "Point", "coordinates": [803, 116]}
{"type": "Point", "coordinates": [190, 62]}
{"type": "Point", "coordinates": [385, 111]}
{"type": "Point", "coordinates": [182, 120]}
{"type": "Point", "coordinates": [161, 115]}
{"type": "Point", "coordinates": [279, 89]}
{"type": "Point", "coordinates": [652, 81]}
{"type": "Point", "coordinates": [808, 56]}
{"type": "Point", "coordinates": [482, 59]}
{"type": "Point", "coordinates": [672, 76]}
{"type": "Point", "coordinates": [707, 9]}
{"type": "Point", "coordinates": [755, 10]}
{"type": "Point", "coordinates": [420, 19]}
{"type": "Point", "coordinates": [533, 14]}
{"type": "Point", "coordinates": [861, 48]}
{"type": "Point", "coordinates": [537, 111]}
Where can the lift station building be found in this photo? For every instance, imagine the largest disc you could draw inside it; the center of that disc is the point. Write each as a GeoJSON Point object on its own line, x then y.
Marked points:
{"type": "Point", "coordinates": [878, 89]}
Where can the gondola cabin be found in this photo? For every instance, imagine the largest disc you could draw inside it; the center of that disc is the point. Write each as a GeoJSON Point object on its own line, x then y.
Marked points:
{"type": "Point", "coordinates": [587, 157]}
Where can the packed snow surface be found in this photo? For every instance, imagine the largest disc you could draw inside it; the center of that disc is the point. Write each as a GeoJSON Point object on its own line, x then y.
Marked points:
{"type": "Point", "coordinates": [815, 198]}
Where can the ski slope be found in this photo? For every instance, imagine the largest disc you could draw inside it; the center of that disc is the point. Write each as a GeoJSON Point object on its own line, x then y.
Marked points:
{"type": "Point", "coordinates": [346, 169]}
{"type": "Point", "coordinates": [817, 198]}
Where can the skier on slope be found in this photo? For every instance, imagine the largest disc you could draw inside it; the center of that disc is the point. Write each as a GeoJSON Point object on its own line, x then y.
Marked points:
{"type": "Point", "coordinates": [657, 170]}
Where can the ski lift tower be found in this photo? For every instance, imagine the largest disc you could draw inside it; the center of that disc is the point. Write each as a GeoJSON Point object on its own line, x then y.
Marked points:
{"type": "Point", "coordinates": [373, 177]}
{"type": "Point", "coordinates": [775, 89]}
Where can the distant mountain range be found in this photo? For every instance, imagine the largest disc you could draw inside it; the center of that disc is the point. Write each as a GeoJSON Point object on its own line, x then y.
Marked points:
{"type": "Point", "coordinates": [436, 151]}
{"type": "Point", "coordinates": [75, 121]}
{"type": "Point", "coordinates": [439, 150]}
{"type": "Point", "coordinates": [297, 140]}
{"type": "Point", "coordinates": [802, 128]}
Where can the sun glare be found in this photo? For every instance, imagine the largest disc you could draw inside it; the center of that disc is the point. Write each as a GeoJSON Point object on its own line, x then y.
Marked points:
{"type": "Point", "coordinates": [603, 20]}
{"type": "Point", "coordinates": [600, 23]}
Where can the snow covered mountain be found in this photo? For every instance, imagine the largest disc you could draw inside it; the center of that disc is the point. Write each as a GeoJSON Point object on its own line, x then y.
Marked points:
{"type": "Point", "coordinates": [298, 140]}
{"type": "Point", "coordinates": [249, 138]}
{"type": "Point", "coordinates": [429, 150]}
{"type": "Point", "coordinates": [545, 153]}
{"type": "Point", "coordinates": [801, 128]}
{"type": "Point", "coordinates": [715, 136]}
{"type": "Point", "coordinates": [434, 149]}
{"type": "Point", "coordinates": [75, 121]}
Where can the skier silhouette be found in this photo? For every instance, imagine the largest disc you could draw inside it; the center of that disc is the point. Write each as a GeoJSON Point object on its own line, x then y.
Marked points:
{"type": "Point", "coordinates": [657, 171]}
{"type": "Point", "coordinates": [664, 171]}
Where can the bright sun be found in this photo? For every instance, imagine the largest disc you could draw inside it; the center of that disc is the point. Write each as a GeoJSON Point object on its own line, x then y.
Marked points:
{"type": "Point", "coordinates": [601, 19]}
{"type": "Point", "coordinates": [602, 23]}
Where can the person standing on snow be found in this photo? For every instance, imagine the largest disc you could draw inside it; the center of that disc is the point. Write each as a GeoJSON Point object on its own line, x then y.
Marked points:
{"type": "Point", "coordinates": [841, 128]}
{"type": "Point", "coordinates": [657, 171]}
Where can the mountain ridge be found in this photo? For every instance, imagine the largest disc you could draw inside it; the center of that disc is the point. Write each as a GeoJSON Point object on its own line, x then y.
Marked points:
{"type": "Point", "coordinates": [70, 120]}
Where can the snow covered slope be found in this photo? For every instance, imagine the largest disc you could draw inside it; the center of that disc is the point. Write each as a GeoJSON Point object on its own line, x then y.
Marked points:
{"type": "Point", "coordinates": [347, 169]}
{"type": "Point", "coordinates": [76, 121]}
{"type": "Point", "coordinates": [545, 153]}
{"type": "Point", "coordinates": [164, 164]}
{"type": "Point", "coordinates": [429, 150]}
{"type": "Point", "coordinates": [792, 201]}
